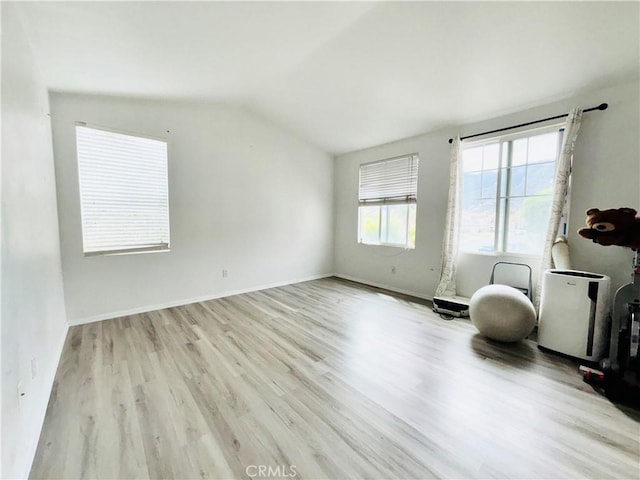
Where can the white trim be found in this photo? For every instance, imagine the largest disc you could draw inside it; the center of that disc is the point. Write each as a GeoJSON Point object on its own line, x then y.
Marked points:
{"type": "Point", "coordinates": [382, 285]}
{"type": "Point", "coordinates": [41, 410]}
{"type": "Point", "coordinates": [391, 245]}
{"type": "Point", "coordinates": [187, 301]}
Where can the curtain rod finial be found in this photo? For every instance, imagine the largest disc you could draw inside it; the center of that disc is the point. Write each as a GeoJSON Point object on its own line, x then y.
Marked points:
{"type": "Point", "coordinates": [603, 106]}
{"type": "Point", "coordinates": [451, 140]}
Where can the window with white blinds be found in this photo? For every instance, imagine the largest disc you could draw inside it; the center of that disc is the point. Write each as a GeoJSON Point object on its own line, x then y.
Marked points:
{"type": "Point", "coordinates": [387, 196]}
{"type": "Point", "coordinates": [124, 191]}
{"type": "Point", "coordinates": [389, 181]}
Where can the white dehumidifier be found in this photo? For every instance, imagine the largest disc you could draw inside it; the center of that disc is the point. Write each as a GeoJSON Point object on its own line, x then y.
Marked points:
{"type": "Point", "coordinates": [574, 313]}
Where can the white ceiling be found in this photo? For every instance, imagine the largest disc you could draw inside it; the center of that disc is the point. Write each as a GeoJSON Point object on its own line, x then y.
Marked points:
{"type": "Point", "coordinates": [343, 75]}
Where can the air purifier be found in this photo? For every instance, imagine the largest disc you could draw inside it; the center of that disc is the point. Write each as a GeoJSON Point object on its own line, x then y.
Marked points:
{"type": "Point", "coordinates": [574, 313]}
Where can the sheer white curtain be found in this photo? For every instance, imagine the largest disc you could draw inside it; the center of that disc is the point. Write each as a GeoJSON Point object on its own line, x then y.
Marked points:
{"type": "Point", "coordinates": [447, 285]}
{"type": "Point", "coordinates": [559, 205]}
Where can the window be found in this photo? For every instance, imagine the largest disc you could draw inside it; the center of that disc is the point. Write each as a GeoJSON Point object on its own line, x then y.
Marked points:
{"type": "Point", "coordinates": [507, 188]}
{"type": "Point", "coordinates": [123, 192]}
{"type": "Point", "coordinates": [387, 210]}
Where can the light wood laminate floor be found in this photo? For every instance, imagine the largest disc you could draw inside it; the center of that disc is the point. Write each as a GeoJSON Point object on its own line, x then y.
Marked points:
{"type": "Point", "coordinates": [332, 378]}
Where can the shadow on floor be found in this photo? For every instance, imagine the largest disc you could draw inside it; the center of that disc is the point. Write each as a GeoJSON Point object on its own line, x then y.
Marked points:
{"type": "Point", "coordinates": [520, 355]}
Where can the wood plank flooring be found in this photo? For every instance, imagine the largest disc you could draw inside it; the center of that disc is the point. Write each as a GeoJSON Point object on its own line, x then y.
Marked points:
{"type": "Point", "coordinates": [322, 379]}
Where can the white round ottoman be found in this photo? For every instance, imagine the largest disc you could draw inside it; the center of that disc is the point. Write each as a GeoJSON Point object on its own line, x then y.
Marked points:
{"type": "Point", "coordinates": [502, 313]}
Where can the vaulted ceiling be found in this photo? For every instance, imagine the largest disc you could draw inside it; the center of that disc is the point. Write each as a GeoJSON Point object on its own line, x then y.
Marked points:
{"type": "Point", "coordinates": [342, 75]}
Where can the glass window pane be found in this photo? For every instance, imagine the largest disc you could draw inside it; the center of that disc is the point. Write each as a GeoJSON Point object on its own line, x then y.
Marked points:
{"type": "Point", "coordinates": [527, 224]}
{"type": "Point", "coordinates": [489, 183]}
{"type": "Point", "coordinates": [397, 224]}
{"type": "Point", "coordinates": [471, 185]}
{"type": "Point", "coordinates": [519, 156]}
{"type": "Point", "coordinates": [543, 148]}
{"type": "Point", "coordinates": [472, 159]}
{"type": "Point", "coordinates": [505, 154]}
{"type": "Point", "coordinates": [477, 226]}
{"type": "Point", "coordinates": [369, 224]}
{"type": "Point", "coordinates": [384, 221]}
{"type": "Point", "coordinates": [411, 243]}
{"type": "Point", "coordinates": [491, 157]}
{"type": "Point", "coordinates": [540, 179]}
{"type": "Point", "coordinates": [517, 181]}
{"type": "Point", "coordinates": [520, 173]}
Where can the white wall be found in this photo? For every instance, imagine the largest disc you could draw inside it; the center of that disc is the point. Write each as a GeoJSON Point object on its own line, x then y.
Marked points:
{"type": "Point", "coordinates": [244, 196]}
{"type": "Point", "coordinates": [33, 314]}
{"type": "Point", "coordinates": [606, 172]}
{"type": "Point", "coordinates": [417, 270]}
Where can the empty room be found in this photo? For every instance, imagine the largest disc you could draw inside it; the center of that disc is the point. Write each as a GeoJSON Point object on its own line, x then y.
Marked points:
{"type": "Point", "coordinates": [320, 240]}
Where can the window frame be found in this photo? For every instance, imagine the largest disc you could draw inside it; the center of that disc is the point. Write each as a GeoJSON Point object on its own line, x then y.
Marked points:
{"type": "Point", "coordinates": [386, 243]}
{"type": "Point", "coordinates": [383, 208]}
{"type": "Point", "coordinates": [146, 248]}
{"type": "Point", "coordinates": [501, 222]}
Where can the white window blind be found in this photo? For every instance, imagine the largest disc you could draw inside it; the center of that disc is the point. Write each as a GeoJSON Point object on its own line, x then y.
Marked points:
{"type": "Point", "coordinates": [393, 181]}
{"type": "Point", "coordinates": [123, 191]}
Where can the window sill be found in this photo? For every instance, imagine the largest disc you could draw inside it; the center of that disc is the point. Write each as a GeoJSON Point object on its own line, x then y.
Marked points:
{"type": "Point", "coordinates": [388, 245]}
{"type": "Point", "coordinates": [132, 251]}
{"type": "Point", "coordinates": [502, 254]}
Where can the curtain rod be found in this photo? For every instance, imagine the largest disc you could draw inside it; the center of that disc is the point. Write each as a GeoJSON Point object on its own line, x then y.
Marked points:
{"type": "Point", "coordinates": [602, 106]}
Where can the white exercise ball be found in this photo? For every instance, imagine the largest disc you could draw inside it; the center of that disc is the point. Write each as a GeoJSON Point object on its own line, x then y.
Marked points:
{"type": "Point", "coordinates": [502, 313]}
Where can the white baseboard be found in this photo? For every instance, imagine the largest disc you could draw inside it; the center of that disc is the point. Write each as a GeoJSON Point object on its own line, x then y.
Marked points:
{"type": "Point", "coordinates": [41, 409]}
{"type": "Point", "coordinates": [386, 287]}
{"type": "Point", "coordinates": [187, 301]}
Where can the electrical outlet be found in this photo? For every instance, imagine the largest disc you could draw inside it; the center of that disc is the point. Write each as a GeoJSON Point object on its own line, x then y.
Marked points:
{"type": "Point", "coordinates": [225, 273]}
{"type": "Point", "coordinates": [393, 270]}
{"type": "Point", "coordinates": [33, 368]}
